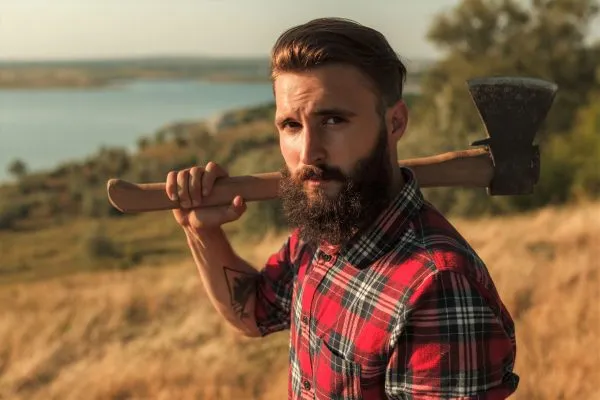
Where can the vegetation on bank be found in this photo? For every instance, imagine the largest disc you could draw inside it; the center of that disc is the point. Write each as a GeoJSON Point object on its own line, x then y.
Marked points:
{"type": "Point", "coordinates": [56, 222]}
{"type": "Point", "coordinates": [99, 73]}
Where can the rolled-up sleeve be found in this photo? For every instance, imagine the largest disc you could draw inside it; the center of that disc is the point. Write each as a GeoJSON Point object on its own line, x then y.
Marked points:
{"type": "Point", "coordinates": [451, 345]}
{"type": "Point", "coordinates": [274, 290]}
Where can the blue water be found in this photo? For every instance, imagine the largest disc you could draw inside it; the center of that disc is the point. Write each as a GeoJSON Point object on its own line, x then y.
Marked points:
{"type": "Point", "coordinates": [47, 127]}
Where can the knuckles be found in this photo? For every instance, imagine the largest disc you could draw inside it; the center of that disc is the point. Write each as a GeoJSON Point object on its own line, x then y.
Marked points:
{"type": "Point", "coordinates": [211, 166]}
{"type": "Point", "coordinates": [185, 183]}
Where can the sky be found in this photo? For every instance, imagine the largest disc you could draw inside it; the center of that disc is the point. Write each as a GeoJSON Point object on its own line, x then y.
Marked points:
{"type": "Point", "coordinates": [80, 29]}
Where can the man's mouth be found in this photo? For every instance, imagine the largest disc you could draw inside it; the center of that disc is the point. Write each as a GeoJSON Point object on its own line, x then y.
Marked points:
{"type": "Point", "coordinates": [315, 181]}
{"type": "Point", "coordinates": [318, 182]}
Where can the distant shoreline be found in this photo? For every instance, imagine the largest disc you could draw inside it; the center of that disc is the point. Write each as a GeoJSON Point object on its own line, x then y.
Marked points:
{"type": "Point", "coordinates": [49, 84]}
{"type": "Point", "coordinates": [89, 74]}
{"type": "Point", "coordinates": [104, 73]}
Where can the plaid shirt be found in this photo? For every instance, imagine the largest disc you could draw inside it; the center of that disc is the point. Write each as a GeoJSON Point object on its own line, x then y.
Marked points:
{"type": "Point", "coordinates": [406, 311]}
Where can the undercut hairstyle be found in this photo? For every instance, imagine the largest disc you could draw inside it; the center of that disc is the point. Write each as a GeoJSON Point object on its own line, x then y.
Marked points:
{"type": "Point", "coordinates": [326, 41]}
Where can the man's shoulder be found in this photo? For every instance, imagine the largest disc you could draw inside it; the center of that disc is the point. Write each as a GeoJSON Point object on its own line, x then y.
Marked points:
{"type": "Point", "coordinates": [441, 241]}
{"type": "Point", "coordinates": [434, 246]}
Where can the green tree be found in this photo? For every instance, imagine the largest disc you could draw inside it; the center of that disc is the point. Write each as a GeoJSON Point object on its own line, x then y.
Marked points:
{"type": "Point", "coordinates": [143, 143]}
{"type": "Point", "coordinates": [17, 168]}
{"type": "Point", "coordinates": [546, 39]}
{"type": "Point", "coordinates": [570, 168]}
{"type": "Point", "coordinates": [541, 38]}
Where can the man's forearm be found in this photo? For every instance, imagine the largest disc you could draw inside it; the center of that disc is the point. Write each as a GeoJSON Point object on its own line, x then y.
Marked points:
{"type": "Point", "coordinates": [229, 281]}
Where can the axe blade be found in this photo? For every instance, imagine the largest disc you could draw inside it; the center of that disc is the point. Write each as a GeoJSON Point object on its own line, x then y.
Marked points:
{"type": "Point", "coordinates": [512, 110]}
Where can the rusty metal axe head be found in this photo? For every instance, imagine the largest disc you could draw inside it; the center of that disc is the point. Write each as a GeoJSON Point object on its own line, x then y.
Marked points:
{"type": "Point", "coordinates": [512, 110]}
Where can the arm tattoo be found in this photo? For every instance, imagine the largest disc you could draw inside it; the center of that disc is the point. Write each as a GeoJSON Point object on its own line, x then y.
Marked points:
{"type": "Point", "coordinates": [241, 287]}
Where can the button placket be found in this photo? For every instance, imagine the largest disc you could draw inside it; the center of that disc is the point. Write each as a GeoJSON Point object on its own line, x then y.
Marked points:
{"type": "Point", "coordinates": [311, 280]}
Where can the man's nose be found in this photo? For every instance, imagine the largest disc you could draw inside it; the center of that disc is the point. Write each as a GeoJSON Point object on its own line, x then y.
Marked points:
{"type": "Point", "coordinates": [312, 152]}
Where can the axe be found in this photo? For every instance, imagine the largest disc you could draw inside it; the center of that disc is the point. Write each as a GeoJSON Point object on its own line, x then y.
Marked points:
{"type": "Point", "coordinates": [512, 110]}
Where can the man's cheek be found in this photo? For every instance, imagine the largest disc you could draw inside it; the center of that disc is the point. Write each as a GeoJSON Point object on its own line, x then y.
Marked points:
{"type": "Point", "coordinates": [290, 157]}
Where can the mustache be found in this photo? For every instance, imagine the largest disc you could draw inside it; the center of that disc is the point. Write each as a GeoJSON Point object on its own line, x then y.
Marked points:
{"type": "Point", "coordinates": [322, 172]}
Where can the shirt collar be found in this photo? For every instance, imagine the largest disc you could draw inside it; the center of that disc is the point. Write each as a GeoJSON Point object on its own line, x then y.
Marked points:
{"type": "Point", "coordinates": [388, 228]}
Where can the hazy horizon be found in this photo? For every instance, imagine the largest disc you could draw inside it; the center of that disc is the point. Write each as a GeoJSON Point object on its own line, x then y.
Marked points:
{"type": "Point", "coordinates": [33, 30]}
{"type": "Point", "coordinates": [36, 30]}
{"type": "Point", "coordinates": [156, 56]}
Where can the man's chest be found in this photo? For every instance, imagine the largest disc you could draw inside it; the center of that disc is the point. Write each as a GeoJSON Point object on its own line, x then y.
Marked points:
{"type": "Point", "coordinates": [341, 324]}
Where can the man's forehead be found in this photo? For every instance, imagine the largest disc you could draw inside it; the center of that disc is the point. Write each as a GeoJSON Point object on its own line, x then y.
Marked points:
{"type": "Point", "coordinates": [321, 89]}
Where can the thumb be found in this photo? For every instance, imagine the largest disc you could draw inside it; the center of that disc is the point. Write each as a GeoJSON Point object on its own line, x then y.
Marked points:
{"type": "Point", "coordinates": [236, 209]}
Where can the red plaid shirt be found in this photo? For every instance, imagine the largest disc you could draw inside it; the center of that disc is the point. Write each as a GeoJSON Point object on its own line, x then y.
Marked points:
{"type": "Point", "coordinates": [406, 311]}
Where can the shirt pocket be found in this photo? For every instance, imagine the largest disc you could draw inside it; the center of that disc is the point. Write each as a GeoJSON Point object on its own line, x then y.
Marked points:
{"type": "Point", "coordinates": [334, 376]}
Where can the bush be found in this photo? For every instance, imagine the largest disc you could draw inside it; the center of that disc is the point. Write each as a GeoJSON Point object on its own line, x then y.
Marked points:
{"type": "Point", "coordinates": [10, 213]}
{"type": "Point", "coordinates": [97, 245]}
{"type": "Point", "coordinates": [95, 204]}
{"type": "Point", "coordinates": [267, 215]}
{"type": "Point", "coordinates": [261, 218]}
{"type": "Point", "coordinates": [569, 164]}
{"type": "Point", "coordinates": [102, 252]}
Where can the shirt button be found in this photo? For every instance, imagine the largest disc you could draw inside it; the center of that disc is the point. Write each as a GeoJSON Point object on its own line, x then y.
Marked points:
{"type": "Point", "coordinates": [307, 385]}
{"type": "Point", "coordinates": [305, 319]}
{"type": "Point", "coordinates": [326, 257]}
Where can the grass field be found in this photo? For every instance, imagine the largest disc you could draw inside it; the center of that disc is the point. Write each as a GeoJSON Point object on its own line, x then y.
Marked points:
{"type": "Point", "coordinates": [150, 333]}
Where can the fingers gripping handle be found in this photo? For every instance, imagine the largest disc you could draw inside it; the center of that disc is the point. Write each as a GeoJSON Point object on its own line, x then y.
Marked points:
{"type": "Point", "coordinates": [130, 197]}
{"type": "Point", "coordinates": [468, 168]}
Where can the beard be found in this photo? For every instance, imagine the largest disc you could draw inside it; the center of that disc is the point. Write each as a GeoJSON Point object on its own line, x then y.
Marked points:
{"type": "Point", "coordinates": [363, 195]}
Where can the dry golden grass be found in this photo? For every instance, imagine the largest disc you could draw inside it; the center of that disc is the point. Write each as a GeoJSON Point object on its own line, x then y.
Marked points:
{"type": "Point", "coordinates": [150, 333]}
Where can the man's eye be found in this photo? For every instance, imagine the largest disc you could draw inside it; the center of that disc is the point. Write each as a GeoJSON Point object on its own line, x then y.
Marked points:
{"type": "Point", "coordinates": [333, 120]}
{"type": "Point", "coordinates": [290, 125]}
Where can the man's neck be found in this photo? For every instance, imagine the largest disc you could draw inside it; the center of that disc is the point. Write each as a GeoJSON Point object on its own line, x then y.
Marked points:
{"type": "Point", "coordinates": [398, 181]}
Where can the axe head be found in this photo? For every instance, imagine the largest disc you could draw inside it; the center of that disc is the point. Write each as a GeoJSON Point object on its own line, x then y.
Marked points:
{"type": "Point", "coordinates": [512, 110]}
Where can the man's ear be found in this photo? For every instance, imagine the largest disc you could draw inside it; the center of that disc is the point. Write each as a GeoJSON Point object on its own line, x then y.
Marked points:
{"type": "Point", "coordinates": [398, 114]}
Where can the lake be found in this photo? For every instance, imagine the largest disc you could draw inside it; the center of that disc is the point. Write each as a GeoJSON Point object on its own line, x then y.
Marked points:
{"type": "Point", "coordinates": [50, 126]}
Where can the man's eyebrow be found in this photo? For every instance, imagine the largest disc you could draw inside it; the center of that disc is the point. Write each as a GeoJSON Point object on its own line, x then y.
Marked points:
{"type": "Point", "coordinates": [321, 112]}
{"type": "Point", "coordinates": [334, 111]}
{"type": "Point", "coordinates": [282, 120]}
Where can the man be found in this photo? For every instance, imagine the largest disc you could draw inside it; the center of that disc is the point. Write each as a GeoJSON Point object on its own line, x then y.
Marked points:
{"type": "Point", "coordinates": [382, 296]}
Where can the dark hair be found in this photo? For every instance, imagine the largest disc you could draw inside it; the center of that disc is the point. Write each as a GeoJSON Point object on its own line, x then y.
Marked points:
{"type": "Point", "coordinates": [337, 40]}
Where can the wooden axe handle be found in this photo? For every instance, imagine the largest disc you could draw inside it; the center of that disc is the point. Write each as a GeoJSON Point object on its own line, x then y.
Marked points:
{"type": "Point", "coordinates": [467, 168]}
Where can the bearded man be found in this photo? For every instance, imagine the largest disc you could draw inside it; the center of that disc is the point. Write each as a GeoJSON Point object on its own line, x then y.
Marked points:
{"type": "Point", "coordinates": [383, 298]}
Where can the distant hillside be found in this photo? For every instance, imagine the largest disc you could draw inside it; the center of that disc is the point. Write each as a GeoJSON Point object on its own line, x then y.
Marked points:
{"type": "Point", "coordinates": [93, 73]}
{"type": "Point", "coordinates": [50, 207]}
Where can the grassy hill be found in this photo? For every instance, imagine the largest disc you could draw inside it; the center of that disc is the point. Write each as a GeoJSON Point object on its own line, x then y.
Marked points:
{"type": "Point", "coordinates": [151, 332]}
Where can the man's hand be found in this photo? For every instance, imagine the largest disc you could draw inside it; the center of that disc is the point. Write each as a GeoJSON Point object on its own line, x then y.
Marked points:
{"type": "Point", "coordinates": [189, 186]}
